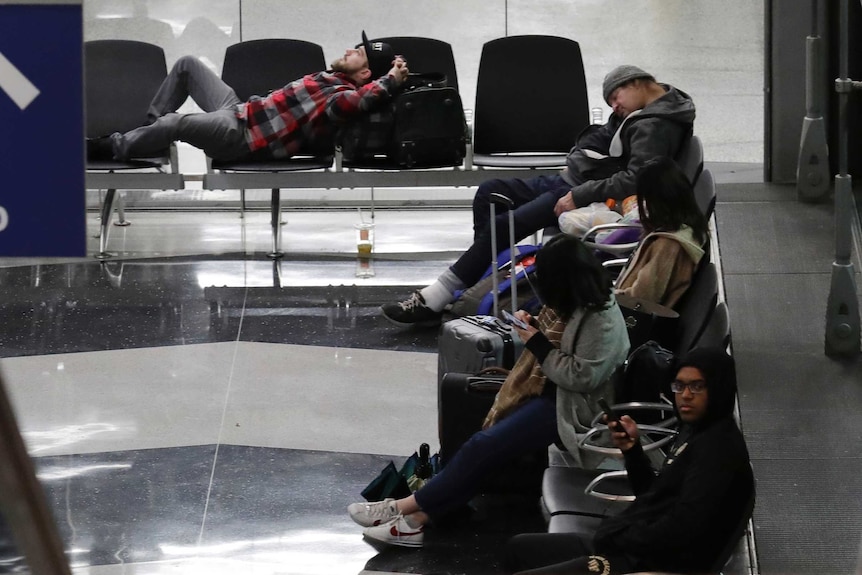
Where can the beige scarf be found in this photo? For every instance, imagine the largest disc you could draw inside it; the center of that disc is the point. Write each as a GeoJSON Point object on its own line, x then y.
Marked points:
{"type": "Point", "coordinates": [526, 379]}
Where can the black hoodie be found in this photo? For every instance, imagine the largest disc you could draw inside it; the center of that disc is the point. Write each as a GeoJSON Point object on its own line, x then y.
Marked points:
{"type": "Point", "coordinates": [683, 516]}
{"type": "Point", "coordinates": [658, 130]}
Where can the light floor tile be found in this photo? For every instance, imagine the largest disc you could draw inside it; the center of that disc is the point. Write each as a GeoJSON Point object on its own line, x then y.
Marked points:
{"type": "Point", "coordinates": [258, 394]}
{"type": "Point", "coordinates": [120, 399]}
{"type": "Point", "coordinates": [334, 399]}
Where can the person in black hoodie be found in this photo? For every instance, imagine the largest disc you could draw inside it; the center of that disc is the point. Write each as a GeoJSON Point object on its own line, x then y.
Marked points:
{"type": "Point", "coordinates": [684, 516]}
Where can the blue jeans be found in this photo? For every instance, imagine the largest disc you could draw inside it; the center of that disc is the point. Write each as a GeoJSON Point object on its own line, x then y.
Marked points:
{"type": "Point", "coordinates": [530, 427]}
{"type": "Point", "coordinates": [534, 202]}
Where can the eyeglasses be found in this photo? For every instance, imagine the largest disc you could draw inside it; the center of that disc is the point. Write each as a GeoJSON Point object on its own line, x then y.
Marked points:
{"type": "Point", "coordinates": [696, 386]}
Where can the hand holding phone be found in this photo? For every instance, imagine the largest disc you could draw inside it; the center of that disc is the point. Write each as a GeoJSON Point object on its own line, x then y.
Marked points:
{"type": "Point", "coordinates": [612, 417]}
{"type": "Point", "coordinates": [509, 318]}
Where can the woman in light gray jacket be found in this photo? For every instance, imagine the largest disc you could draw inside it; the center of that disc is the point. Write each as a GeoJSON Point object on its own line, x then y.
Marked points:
{"type": "Point", "coordinates": [573, 348]}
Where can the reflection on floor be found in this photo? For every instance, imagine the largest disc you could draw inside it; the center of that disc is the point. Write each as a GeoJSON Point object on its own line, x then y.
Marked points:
{"type": "Point", "coordinates": [216, 411]}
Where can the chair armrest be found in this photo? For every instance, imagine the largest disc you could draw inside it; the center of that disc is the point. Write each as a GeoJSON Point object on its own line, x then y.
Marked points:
{"type": "Point", "coordinates": [584, 442]}
{"type": "Point", "coordinates": [339, 159]}
{"type": "Point", "coordinates": [641, 406]}
{"type": "Point", "coordinates": [608, 227]}
{"type": "Point", "coordinates": [468, 149]}
{"type": "Point", "coordinates": [591, 488]}
{"type": "Point", "coordinates": [615, 267]}
{"type": "Point", "coordinates": [175, 159]}
{"type": "Point", "coordinates": [615, 249]}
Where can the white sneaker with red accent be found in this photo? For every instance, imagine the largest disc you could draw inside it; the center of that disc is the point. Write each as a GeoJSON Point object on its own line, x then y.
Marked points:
{"type": "Point", "coordinates": [396, 531]}
{"type": "Point", "coordinates": [371, 514]}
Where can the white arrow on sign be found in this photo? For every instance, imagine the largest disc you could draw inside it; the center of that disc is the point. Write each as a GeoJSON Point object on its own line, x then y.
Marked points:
{"type": "Point", "coordinates": [13, 82]}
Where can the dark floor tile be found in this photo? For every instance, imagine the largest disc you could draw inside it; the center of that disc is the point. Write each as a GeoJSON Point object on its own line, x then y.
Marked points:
{"type": "Point", "coordinates": [337, 316]}
{"type": "Point", "coordinates": [473, 543]}
{"type": "Point", "coordinates": [123, 507]}
{"type": "Point", "coordinates": [807, 518]}
{"type": "Point", "coordinates": [159, 504]}
{"type": "Point", "coordinates": [754, 192]}
{"type": "Point", "coordinates": [775, 237]}
{"type": "Point", "coordinates": [772, 379]}
{"type": "Point", "coordinates": [784, 313]}
{"type": "Point", "coordinates": [95, 306]}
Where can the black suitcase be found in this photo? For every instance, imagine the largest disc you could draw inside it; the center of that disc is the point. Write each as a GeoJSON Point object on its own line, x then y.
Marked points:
{"type": "Point", "coordinates": [463, 401]}
{"type": "Point", "coordinates": [369, 137]}
{"type": "Point", "coordinates": [429, 128]}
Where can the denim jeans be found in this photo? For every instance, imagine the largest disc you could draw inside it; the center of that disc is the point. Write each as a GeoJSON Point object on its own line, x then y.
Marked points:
{"type": "Point", "coordinates": [534, 202]}
{"type": "Point", "coordinates": [530, 427]}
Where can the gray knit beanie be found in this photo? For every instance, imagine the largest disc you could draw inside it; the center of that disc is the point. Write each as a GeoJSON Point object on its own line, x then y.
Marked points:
{"type": "Point", "coordinates": [621, 75]}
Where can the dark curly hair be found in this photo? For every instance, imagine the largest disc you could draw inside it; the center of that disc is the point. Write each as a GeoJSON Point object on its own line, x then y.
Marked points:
{"type": "Point", "coordinates": [666, 199]}
{"type": "Point", "coordinates": [569, 277]}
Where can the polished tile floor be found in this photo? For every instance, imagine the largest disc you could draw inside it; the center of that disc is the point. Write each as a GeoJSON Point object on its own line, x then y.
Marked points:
{"type": "Point", "coordinates": [195, 407]}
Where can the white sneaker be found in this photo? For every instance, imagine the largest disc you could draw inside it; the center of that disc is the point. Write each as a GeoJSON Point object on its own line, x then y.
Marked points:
{"type": "Point", "coordinates": [396, 531]}
{"type": "Point", "coordinates": [371, 514]}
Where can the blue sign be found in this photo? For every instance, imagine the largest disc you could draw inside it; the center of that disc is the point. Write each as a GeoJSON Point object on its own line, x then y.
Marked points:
{"type": "Point", "coordinates": [42, 197]}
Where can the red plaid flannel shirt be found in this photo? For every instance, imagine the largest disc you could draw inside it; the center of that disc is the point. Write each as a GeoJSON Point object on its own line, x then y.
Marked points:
{"type": "Point", "coordinates": [307, 110]}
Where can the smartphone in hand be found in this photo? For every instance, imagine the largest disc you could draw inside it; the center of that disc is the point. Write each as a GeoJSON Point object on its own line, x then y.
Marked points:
{"type": "Point", "coordinates": [613, 418]}
{"type": "Point", "coordinates": [509, 318]}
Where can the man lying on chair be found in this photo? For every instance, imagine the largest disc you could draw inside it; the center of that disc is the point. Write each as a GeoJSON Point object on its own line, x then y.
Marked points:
{"type": "Point", "coordinates": [684, 516]}
{"type": "Point", "coordinates": [304, 114]}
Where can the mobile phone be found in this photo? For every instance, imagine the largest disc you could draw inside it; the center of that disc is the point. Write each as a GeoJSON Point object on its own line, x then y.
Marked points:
{"type": "Point", "coordinates": [612, 416]}
{"type": "Point", "coordinates": [509, 318]}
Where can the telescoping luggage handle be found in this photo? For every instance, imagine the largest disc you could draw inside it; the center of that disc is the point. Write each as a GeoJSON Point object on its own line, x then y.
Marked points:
{"type": "Point", "coordinates": [504, 201]}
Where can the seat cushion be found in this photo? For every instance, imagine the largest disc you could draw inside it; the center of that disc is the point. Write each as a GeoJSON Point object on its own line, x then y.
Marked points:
{"type": "Point", "coordinates": [563, 492]}
{"type": "Point", "coordinates": [567, 523]}
{"type": "Point", "coordinates": [287, 165]}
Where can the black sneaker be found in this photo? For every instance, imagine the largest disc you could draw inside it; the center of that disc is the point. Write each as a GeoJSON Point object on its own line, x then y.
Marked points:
{"type": "Point", "coordinates": [100, 149]}
{"type": "Point", "coordinates": [411, 311]}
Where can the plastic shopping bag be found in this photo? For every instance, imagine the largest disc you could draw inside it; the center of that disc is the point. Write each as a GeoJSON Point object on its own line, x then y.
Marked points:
{"type": "Point", "coordinates": [576, 222]}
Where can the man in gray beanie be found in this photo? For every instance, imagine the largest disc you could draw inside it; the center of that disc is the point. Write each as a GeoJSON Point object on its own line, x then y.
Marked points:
{"type": "Point", "coordinates": [620, 76]}
{"type": "Point", "coordinates": [650, 120]}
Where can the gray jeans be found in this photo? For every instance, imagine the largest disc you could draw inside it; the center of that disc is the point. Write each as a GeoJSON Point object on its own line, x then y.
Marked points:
{"type": "Point", "coordinates": [218, 132]}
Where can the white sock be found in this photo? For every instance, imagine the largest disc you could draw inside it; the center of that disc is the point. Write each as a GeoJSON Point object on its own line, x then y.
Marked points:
{"type": "Point", "coordinates": [440, 293]}
{"type": "Point", "coordinates": [412, 522]}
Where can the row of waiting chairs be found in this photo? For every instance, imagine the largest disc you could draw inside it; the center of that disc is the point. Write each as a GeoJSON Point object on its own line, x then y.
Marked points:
{"type": "Point", "coordinates": [509, 139]}
{"type": "Point", "coordinates": [576, 499]}
{"type": "Point", "coordinates": [122, 76]}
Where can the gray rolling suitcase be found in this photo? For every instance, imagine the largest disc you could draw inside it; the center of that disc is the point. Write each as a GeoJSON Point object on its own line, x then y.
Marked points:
{"type": "Point", "coordinates": [475, 342]}
{"type": "Point", "coordinates": [472, 343]}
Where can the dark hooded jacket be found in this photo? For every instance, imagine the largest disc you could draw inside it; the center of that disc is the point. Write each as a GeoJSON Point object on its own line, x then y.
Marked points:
{"type": "Point", "coordinates": [684, 516]}
{"type": "Point", "coordinates": [658, 130]}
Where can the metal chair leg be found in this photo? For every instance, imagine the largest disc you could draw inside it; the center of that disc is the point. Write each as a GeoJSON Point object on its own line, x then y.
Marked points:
{"type": "Point", "coordinates": [275, 224]}
{"type": "Point", "coordinates": [105, 224]}
{"type": "Point", "coordinates": [121, 211]}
